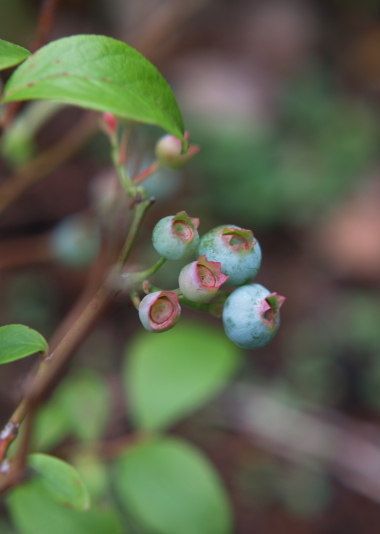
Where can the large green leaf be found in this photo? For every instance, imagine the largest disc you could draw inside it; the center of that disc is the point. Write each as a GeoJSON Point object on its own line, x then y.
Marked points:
{"type": "Point", "coordinates": [99, 73]}
{"type": "Point", "coordinates": [18, 341]}
{"type": "Point", "coordinates": [171, 488]}
{"type": "Point", "coordinates": [60, 480]}
{"type": "Point", "coordinates": [166, 376]}
{"type": "Point", "coordinates": [33, 512]}
{"type": "Point", "coordinates": [11, 54]}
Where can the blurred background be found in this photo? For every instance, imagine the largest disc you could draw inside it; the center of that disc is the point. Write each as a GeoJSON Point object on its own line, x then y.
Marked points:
{"type": "Point", "coordinates": [283, 98]}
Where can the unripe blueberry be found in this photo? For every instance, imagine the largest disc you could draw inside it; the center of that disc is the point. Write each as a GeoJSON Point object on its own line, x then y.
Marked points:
{"type": "Point", "coordinates": [176, 237]}
{"type": "Point", "coordinates": [237, 251]}
{"type": "Point", "coordinates": [75, 241]}
{"type": "Point", "coordinates": [200, 280]}
{"type": "Point", "coordinates": [251, 316]}
{"type": "Point", "coordinates": [159, 311]}
{"type": "Point", "coordinates": [169, 151]}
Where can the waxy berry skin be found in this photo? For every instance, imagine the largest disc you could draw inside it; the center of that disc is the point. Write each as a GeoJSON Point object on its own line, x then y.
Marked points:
{"type": "Point", "coordinates": [176, 237]}
{"type": "Point", "coordinates": [251, 316]}
{"type": "Point", "coordinates": [159, 311]}
{"type": "Point", "coordinates": [200, 280]}
{"type": "Point", "coordinates": [237, 251]}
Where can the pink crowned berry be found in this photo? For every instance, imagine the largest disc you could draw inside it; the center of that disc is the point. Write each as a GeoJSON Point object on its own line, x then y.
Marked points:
{"type": "Point", "coordinates": [159, 311]}
{"type": "Point", "coordinates": [200, 280]}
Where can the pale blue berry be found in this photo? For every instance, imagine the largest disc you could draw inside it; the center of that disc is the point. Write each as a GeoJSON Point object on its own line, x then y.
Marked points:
{"type": "Point", "coordinates": [237, 251]}
{"type": "Point", "coordinates": [75, 241]}
{"type": "Point", "coordinates": [176, 237]}
{"type": "Point", "coordinates": [251, 316]}
{"type": "Point", "coordinates": [200, 280]}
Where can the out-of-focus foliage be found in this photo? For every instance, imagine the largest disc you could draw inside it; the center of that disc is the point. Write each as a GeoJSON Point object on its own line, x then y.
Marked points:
{"type": "Point", "coordinates": [290, 171]}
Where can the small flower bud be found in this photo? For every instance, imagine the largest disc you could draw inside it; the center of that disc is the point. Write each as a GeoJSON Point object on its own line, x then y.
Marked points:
{"type": "Point", "coordinates": [251, 316]}
{"type": "Point", "coordinates": [169, 151]}
{"type": "Point", "coordinates": [237, 251]}
{"type": "Point", "coordinates": [200, 280]}
{"type": "Point", "coordinates": [176, 237]}
{"type": "Point", "coordinates": [159, 311]}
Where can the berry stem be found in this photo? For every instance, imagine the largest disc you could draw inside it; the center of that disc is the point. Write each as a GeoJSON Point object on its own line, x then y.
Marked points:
{"type": "Point", "coordinates": [145, 174]}
{"type": "Point", "coordinates": [118, 150]}
{"type": "Point", "coordinates": [136, 278]}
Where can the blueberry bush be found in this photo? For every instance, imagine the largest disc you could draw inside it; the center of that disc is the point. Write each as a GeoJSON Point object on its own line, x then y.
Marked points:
{"type": "Point", "coordinates": [146, 480]}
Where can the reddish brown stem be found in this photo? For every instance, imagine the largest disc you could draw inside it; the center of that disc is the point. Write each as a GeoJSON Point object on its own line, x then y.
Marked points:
{"type": "Point", "coordinates": [49, 369]}
{"type": "Point", "coordinates": [145, 174]}
{"type": "Point", "coordinates": [45, 22]}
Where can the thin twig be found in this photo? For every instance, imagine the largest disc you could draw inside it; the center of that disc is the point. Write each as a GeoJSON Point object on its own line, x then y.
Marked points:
{"type": "Point", "coordinates": [49, 368]}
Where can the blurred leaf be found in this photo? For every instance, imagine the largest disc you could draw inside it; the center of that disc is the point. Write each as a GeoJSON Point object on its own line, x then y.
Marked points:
{"type": "Point", "coordinates": [51, 426]}
{"type": "Point", "coordinates": [172, 489]}
{"type": "Point", "coordinates": [85, 399]}
{"type": "Point", "coordinates": [11, 54]}
{"type": "Point", "coordinates": [18, 145]}
{"type": "Point", "coordinates": [33, 512]}
{"type": "Point", "coordinates": [5, 528]}
{"type": "Point", "coordinates": [18, 341]}
{"type": "Point", "coordinates": [292, 171]}
{"type": "Point", "coordinates": [94, 473]}
{"type": "Point", "coordinates": [169, 375]}
{"type": "Point", "coordinates": [60, 480]}
{"type": "Point", "coordinates": [99, 73]}
{"type": "Point", "coordinates": [31, 298]}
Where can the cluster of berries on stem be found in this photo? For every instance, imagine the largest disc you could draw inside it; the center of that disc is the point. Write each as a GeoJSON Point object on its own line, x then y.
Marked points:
{"type": "Point", "coordinates": [226, 256]}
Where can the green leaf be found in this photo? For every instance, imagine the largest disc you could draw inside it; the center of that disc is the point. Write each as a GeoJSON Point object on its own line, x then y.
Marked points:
{"type": "Point", "coordinates": [11, 54]}
{"type": "Point", "coordinates": [85, 399]}
{"type": "Point", "coordinates": [18, 341]}
{"type": "Point", "coordinates": [60, 480]}
{"type": "Point", "coordinates": [94, 472]}
{"type": "Point", "coordinates": [171, 488]}
{"type": "Point", "coordinates": [99, 73]}
{"type": "Point", "coordinates": [79, 407]}
{"type": "Point", "coordinates": [33, 512]}
{"type": "Point", "coordinates": [50, 427]}
{"type": "Point", "coordinates": [169, 375]}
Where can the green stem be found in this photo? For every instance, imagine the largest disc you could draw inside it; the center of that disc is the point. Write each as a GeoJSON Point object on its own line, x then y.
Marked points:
{"type": "Point", "coordinates": [140, 209]}
{"type": "Point", "coordinates": [195, 305]}
{"type": "Point", "coordinates": [119, 164]}
{"type": "Point", "coordinates": [147, 173]}
{"type": "Point", "coordinates": [135, 278]}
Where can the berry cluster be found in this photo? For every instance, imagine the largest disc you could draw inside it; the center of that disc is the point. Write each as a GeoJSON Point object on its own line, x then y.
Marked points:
{"type": "Point", "coordinates": [227, 256]}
